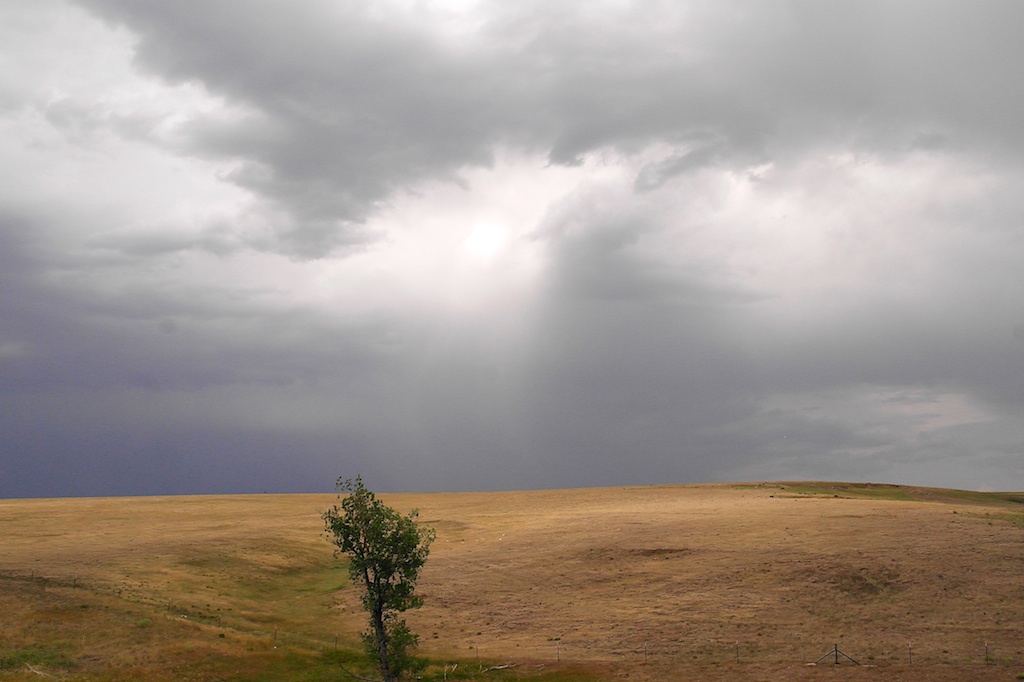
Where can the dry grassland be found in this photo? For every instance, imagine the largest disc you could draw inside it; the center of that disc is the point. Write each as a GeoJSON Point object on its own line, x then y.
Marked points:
{"type": "Point", "coordinates": [652, 583]}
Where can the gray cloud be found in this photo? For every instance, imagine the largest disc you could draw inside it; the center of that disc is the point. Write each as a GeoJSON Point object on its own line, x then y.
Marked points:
{"type": "Point", "coordinates": [346, 106]}
{"type": "Point", "coordinates": [741, 241]}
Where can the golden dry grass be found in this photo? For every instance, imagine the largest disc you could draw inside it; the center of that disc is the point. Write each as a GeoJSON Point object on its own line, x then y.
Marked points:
{"type": "Point", "coordinates": [684, 576]}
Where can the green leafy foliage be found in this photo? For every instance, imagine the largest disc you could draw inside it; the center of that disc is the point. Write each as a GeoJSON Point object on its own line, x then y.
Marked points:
{"type": "Point", "coordinates": [386, 551]}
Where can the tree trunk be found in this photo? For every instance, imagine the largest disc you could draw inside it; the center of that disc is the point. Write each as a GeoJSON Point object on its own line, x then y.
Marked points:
{"type": "Point", "coordinates": [383, 660]}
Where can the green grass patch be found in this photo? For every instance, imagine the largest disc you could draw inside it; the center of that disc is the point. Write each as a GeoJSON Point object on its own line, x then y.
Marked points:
{"type": "Point", "coordinates": [272, 586]}
{"type": "Point", "coordinates": [1017, 519]}
{"type": "Point", "coordinates": [44, 656]}
{"type": "Point", "coordinates": [299, 665]}
{"type": "Point", "coordinates": [901, 493]}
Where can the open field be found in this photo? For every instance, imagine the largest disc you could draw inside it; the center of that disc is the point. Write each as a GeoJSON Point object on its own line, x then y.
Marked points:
{"type": "Point", "coordinates": [725, 582]}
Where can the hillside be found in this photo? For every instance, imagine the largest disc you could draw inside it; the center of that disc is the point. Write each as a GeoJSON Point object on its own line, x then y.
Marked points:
{"type": "Point", "coordinates": [742, 581]}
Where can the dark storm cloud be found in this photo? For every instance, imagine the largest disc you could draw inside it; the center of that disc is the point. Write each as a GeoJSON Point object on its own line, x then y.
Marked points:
{"type": "Point", "coordinates": [137, 391]}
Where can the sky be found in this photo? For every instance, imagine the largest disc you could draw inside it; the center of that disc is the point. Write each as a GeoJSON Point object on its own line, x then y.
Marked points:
{"type": "Point", "coordinates": [459, 245]}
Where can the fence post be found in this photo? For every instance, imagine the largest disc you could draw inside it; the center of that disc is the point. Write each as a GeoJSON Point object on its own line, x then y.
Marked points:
{"type": "Point", "coordinates": [837, 652]}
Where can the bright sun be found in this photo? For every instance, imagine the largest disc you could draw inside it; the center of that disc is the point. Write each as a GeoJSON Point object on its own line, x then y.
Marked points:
{"type": "Point", "coordinates": [485, 241]}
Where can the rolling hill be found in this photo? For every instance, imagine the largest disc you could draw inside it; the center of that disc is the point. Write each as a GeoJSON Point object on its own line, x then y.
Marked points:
{"type": "Point", "coordinates": [726, 581]}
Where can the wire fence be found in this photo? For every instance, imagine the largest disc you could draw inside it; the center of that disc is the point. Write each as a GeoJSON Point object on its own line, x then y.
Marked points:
{"type": "Point", "coordinates": [555, 650]}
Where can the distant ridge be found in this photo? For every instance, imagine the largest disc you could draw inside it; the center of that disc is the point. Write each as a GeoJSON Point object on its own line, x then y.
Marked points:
{"type": "Point", "coordinates": [890, 491]}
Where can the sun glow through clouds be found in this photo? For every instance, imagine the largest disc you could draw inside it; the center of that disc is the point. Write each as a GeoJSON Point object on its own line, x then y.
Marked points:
{"type": "Point", "coordinates": [485, 242]}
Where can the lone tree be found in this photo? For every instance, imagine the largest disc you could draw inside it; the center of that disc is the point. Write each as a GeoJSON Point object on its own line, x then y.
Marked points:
{"type": "Point", "coordinates": [386, 552]}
